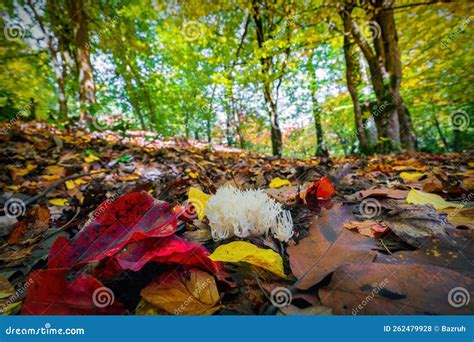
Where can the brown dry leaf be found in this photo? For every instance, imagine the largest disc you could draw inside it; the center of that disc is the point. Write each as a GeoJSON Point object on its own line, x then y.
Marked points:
{"type": "Point", "coordinates": [468, 184]}
{"type": "Point", "coordinates": [183, 292]}
{"type": "Point", "coordinates": [328, 246]}
{"type": "Point", "coordinates": [31, 226]}
{"type": "Point", "coordinates": [382, 192]}
{"type": "Point", "coordinates": [414, 223]}
{"type": "Point", "coordinates": [292, 310]}
{"type": "Point", "coordinates": [432, 184]}
{"type": "Point", "coordinates": [368, 228]}
{"type": "Point", "coordinates": [450, 252]}
{"type": "Point", "coordinates": [384, 289]}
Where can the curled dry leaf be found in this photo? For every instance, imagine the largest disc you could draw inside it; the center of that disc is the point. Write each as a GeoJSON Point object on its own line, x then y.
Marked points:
{"type": "Point", "coordinates": [368, 228]}
{"type": "Point", "coordinates": [183, 292]}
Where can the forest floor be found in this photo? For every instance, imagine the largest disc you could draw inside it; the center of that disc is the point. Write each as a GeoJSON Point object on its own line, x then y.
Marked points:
{"type": "Point", "coordinates": [101, 223]}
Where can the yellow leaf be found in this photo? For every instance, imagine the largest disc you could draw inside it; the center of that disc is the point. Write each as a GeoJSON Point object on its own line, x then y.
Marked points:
{"type": "Point", "coordinates": [409, 176]}
{"type": "Point", "coordinates": [241, 251]}
{"type": "Point", "coordinates": [9, 298]}
{"type": "Point", "coordinates": [55, 170]}
{"type": "Point", "coordinates": [278, 182]}
{"type": "Point", "coordinates": [80, 182]}
{"type": "Point", "coordinates": [60, 202]}
{"type": "Point", "coordinates": [50, 177]}
{"type": "Point", "coordinates": [91, 158]}
{"type": "Point", "coordinates": [470, 164]}
{"type": "Point", "coordinates": [420, 197]}
{"type": "Point", "coordinates": [193, 175]}
{"type": "Point", "coordinates": [22, 171]}
{"type": "Point", "coordinates": [199, 201]}
{"type": "Point", "coordinates": [183, 292]}
{"type": "Point", "coordinates": [70, 185]}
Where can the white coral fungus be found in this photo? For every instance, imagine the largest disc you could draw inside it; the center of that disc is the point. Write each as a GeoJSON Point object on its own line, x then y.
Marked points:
{"type": "Point", "coordinates": [232, 212]}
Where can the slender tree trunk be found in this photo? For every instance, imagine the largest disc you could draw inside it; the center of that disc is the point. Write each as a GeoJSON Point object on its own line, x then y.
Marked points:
{"type": "Point", "coordinates": [352, 88]}
{"type": "Point", "coordinates": [440, 132]}
{"type": "Point", "coordinates": [276, 135]}
{"type": "Point", "coordinates": [84, 66]}
{"type": "Point", "coordinates": [320, 150]}
{"type": "Point", "coordinates": [391, 56]}
{"type": "Point", "coordinates": [133, 99]}
{"type": "Point", "coordinates": [59, 68]}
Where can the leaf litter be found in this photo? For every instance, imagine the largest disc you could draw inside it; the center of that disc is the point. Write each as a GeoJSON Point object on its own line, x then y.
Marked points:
{"type": "Point", "coordinates": [99, 223]}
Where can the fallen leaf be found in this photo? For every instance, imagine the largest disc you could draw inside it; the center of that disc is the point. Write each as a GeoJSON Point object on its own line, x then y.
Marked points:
{"type": "Point", "coordinates": [130, 217]}
{"type": "Point", "coordinates": [278, 183]}
{"type": "Point", "coordinates": [367, 228]}
{"type": "Point", "coordinates": [70, 185]}
{"type": "Point", "coordinates": [60, 202]}
{"type": "Point", "coordinates": [420, 197]}
{"type": "Point", "coordinates": [384, 289]}
{"type": "Point", "coordinates": [18, 172]}
{"type": "Point", "coordinates": [9, 298]}
{"type": "Point", "coordinates": [414, 223]}
{"type": "Point", "coordinates": [183, 292]}
{"type": "Point", "coordinates": [199, 201]}
{"type": "Point", "coordinates": [328, 246]}
{"type": "Point", "coordinates": [51, 294]}
{"type": "Point", "coordinates": [410, 176]}
{"type": "Point", "coordinates": [32, 225]}
{"type": "Point", "coordinates": [91, 158]}
{"type": "Point", "coordinates": [55, 170]}
{"type": "Point", "coordinates": [382, 192]}
{"type": "Point", "coordinates": [432, 184]}
{"type": "Point", "coordinates": [241, 251]}
{"type": "Point", "coordinates": [169, 249]}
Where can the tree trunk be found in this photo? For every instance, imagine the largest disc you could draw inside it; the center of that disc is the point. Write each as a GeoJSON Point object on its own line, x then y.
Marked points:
{"type": "Point", "coordinates": [59, 68]}
{"type": "Point", "coordinates": [276, 135]}
{"type": "Point", "coordinates": [352, 88]}
{"type": "Point", "coordinates": [84, 66]}
{"type": "Point", "coordinates": [385, 116]}
{"type": "Point", "coordinates": [391, 57]}
{"type": "Point", "coordinates": [440, 132]}
{"type": "Point", "coordinates": [238, 128]}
